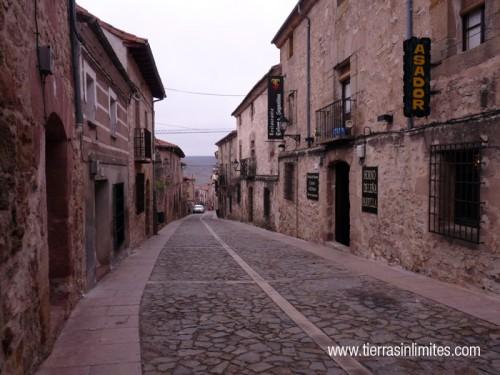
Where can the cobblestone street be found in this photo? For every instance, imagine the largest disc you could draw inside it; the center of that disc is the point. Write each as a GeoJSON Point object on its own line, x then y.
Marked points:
{"type": "Point", "coordinates": [225, 299]}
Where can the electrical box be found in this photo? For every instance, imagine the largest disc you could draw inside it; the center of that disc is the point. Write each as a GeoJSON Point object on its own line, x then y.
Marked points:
{"type": "Point", "coordinates": [46, 60]}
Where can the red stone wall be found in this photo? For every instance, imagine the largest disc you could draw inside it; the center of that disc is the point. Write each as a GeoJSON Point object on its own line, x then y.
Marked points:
{"type": "Point", "coordinates": [27, 326]}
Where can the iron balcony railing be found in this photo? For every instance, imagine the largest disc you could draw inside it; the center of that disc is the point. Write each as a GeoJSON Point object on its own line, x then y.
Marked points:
{"type": "Point", "coordinates": [331, 121]}
{"type": "Point", "coordinates": [142, 145]}
{"type": "Point", "coordinates": [248, 168]}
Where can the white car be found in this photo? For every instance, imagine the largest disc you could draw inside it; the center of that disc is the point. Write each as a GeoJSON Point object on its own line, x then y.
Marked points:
{"type": "Point", "coordinates": [198, 209]}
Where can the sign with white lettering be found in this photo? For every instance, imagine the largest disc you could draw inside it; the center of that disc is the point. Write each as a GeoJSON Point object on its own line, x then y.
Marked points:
{"type": "Point", "coordinates": [274, 106]}
{"type": "Point", "coordinates": [313, 186]}
{"type": "Point", "coordinates": [369, 190]}
{"type": "Point", "coordinates": [417, 77]}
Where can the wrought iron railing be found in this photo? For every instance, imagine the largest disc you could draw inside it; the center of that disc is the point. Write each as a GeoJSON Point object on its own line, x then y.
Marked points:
{"type": "Point", "coordinates": [248, 168]}
{"type": "Point", "coordinates": [331, 121]}
{"type": "Point", "coordinates": [142, 145]}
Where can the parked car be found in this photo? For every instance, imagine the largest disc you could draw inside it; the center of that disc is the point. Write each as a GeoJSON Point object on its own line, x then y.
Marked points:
{"type": "Point", "coordinates": [198, 209]}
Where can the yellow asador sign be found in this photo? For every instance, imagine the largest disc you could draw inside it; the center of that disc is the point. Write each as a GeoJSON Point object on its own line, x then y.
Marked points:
{"type": "Point", "coordinates": [417, 77]}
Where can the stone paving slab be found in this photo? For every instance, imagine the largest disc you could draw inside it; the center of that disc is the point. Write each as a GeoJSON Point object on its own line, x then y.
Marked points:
{"type": "Point", "coordinates": [217, 324]}
{"type": "Point", "coordinates": [355, 309]}
{"type": "Point", "coordinates": [101, 337]}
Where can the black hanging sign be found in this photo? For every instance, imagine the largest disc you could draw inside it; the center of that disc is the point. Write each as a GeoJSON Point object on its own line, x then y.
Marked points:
{"type": "Point", "coordinates": [313, 186]}
{"type": "Point", "coordinates": [274, 106]}
{"type": "Point", "coordinates": [369, 190]}
{"type": "Point", "coordinates": [417, 77]}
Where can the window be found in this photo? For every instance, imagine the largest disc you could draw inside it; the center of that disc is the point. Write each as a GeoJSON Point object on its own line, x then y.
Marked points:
{"type": "Point", "coordinates": [252, 111]}
{"type": "Point", "coordinates": [473, 28]}
{"type": "Point", "coordinates": [267, 203]}
{"type": "Point", "coordinates": [139, 193]}
{"type": "Point", "coordinates": [291, 108]}
{"type": "Point", "coordinates": [252, 148]}
{"type": "Point", "coordinates": [340, 2]}
{"type": "Point", "coordinates": [137, 114]}
{"type": "Point", "coordinates": [289, 181]}
{"type": "Point", "coordinates": [90, 97]}
{"type": "Point", "coordinates": [113, 114]}
{"type": "Point", "coordinates": [346, 98]}
{"type": "Point", "coordinates": [290, 45]}
{"type": "Point", "coordinates": [454, 199]}
{"type": "Point", "coordinates": [118, 215]}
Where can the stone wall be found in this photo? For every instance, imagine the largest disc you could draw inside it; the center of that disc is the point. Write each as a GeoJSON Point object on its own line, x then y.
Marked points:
{"type": "Point", "coordinates": [28, 323]}
{"type": "Point", "coordinates": [368, 39]}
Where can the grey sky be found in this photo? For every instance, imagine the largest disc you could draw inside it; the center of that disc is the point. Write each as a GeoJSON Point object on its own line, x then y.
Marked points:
{"type": "Point", "coordinates": [219, 46]}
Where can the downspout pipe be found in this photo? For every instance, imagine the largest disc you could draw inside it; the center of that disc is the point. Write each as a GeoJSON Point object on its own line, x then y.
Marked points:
{"type": "Point", "coordinates": [309, 139]}
{"type": "Point", "coordinates": [155, 219]}
{"type": "Point", "coordinates": [75, 57]}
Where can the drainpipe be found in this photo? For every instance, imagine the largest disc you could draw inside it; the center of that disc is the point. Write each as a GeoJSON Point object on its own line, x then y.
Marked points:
{"type": "Point", "coordinates": [75, 57]}
{"type": "Point", "coordinates": [409, 34]}
{"type": "Point", "coordinates": [308, 94]}
{"type": "Point", "coordinates": [155, 221]}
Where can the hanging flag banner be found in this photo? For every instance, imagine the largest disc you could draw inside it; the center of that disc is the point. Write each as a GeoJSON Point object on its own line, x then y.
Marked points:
{"type": "Point", "coordinates": [274, 106]}
{"type": "Point", "coordinates": [417, 77]}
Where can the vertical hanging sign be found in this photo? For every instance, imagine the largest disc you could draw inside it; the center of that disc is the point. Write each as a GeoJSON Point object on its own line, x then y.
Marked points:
{"type": "Point", "coordinates": [417, 77]}
{"type": "Point", "coordinates": [274, 106]}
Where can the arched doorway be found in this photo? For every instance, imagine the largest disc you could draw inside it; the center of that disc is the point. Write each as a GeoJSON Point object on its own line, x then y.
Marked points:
{"type": "Point", "coordinates": [339, 201]}
{"type": "Point", "coordinates": [58, 233]}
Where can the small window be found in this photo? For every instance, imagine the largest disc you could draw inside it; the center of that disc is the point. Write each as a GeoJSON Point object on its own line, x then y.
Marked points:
{"type": "Point", "coordinates": [454, 199]}
{"type": "Point", "coordinates": [139, 193]}
{"type": "Point", "coordinates": [346, 98]}
{"type": "Point", "coordinates": [340, 2]}
{"type": "Point", "coordinates": [90, 97]}
{"type": "Point", "coordinates": [290, 45]}
{"type": "Point", "coordinates": [289, 181]}
{"type": "Point", "coordinates": [113, 114]}
{"type": "Point", "coordinates": [252, 111]}
{"type": "Point", "coordinates": [473, 28]}
{"type": "Point", "coordinates": [137, 114]}
{"type": "Point", "coordinates": [252, 148]}
{"type": "Point", "coordinates": [291, 108]}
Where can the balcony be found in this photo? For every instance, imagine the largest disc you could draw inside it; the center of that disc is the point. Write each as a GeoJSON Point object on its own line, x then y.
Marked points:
{"type": "Point", "coordinates": [142, 145]}
{"type": "Point", "coordinates": [248, 168]}
{"type": "Point", "coordinates": [331, 122]}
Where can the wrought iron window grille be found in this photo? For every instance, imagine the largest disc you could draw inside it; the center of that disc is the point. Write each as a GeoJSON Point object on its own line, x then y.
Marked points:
{"type": "Point", "coordinates": [455, 191]}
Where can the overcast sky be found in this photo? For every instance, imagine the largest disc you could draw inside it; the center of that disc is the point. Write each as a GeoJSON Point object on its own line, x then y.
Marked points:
{"type": "Point", "coordinates": [214, 46]}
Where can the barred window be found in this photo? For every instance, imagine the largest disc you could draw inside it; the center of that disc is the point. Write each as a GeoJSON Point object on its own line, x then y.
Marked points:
{"type": "Point", "coordinates": [289, 181]}
{"type": "Point", "coordinates": [454, 199]}
{"type": "Point", "coordinates": [139, 193]}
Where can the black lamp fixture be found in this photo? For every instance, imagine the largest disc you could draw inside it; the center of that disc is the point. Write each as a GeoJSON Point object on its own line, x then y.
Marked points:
{"type": "Point", "coordinates": [283, 123]}
{"type": "Point", "coordinates": [236, 164]}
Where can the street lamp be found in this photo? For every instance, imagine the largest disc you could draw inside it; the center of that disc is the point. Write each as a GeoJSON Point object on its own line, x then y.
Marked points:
{"type": "Point", "coordinates": [283, 124]}
{"type": "Point", "coordinates": [236, 164]}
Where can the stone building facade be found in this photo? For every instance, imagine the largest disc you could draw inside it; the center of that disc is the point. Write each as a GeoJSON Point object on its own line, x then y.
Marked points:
{"type": "Point", "coordinates": [137, 58]}
{"type": "Point", "coordinates": [64, 172]}
{"type": "Point", "coordinates": [106, 92]}
{"type": "Point", "coordinates": [421, 195]}
{"type": "Point", "coordinates": [170, 200]}
{"type": "Point", "coordinates": [247, 190]}
{"type": "Point", "coordinates": [228, 198]}
{"type": "Point", "coordinates": [41, 209]}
